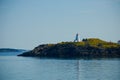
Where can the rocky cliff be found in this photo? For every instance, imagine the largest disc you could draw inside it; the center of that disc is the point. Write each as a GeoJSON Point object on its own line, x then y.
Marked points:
{"type": "Point", "coordinates": [90, 48]}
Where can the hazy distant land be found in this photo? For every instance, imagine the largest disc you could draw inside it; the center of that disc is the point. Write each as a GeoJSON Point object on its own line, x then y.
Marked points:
{"type": "Point", "coordinates": [10, 51]}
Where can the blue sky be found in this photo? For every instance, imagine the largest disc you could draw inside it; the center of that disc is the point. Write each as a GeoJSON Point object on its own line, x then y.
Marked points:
{"type": "Point", "coordinates": [27, 23]}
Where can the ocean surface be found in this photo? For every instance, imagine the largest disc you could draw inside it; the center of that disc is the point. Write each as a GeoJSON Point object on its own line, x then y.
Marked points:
{"type": "Point", "coordinates": [13, 67]}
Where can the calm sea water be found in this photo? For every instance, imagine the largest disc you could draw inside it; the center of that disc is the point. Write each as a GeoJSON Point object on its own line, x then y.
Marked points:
{"type": "Point", "coordinates": [27, 68]}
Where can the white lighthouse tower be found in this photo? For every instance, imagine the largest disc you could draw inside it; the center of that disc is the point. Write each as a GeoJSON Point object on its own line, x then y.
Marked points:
{"type": "Point", "coordinates": [77, 38]}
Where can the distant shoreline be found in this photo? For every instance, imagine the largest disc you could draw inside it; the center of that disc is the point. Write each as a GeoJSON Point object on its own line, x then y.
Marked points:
{"type": "Point", "coordinates": [10, 50]}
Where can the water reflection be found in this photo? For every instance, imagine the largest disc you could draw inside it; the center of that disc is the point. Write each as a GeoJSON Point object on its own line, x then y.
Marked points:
{"type": "Point", "coordinates": [26, 68]}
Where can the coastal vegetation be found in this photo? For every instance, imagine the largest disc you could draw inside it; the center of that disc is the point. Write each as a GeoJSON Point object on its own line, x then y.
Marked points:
{"type": "Point", "coordinates": [92, 47]}
{"type": "Point", "coordinates": [94, 42]}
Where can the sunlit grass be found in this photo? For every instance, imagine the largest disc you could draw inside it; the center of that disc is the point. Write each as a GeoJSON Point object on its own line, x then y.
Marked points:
{"type": "Point", "coordinates": [94, 42]}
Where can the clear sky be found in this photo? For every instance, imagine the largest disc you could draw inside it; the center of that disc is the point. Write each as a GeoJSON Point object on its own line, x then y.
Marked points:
{"type": "Point", "coordinates": [28, 23]}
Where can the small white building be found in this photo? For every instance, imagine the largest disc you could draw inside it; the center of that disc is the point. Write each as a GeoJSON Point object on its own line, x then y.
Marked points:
{"type": "Point", "coordinates": [119, 42]}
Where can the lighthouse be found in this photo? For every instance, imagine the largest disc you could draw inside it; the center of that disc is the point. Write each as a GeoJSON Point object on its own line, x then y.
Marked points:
{"type": "Point", "coordinates": [77, 38]}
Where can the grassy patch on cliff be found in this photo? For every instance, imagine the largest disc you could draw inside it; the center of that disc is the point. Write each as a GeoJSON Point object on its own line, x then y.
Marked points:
{"type": "Point", "coordinates": [94, 42]}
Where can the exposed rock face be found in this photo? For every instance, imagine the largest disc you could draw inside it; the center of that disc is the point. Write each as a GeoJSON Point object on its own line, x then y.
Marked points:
{"type": "Point", "coordinates": [71, 50]}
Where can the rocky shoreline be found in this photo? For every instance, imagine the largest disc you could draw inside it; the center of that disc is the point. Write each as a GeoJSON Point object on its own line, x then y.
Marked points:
{"type": "Point", "coordinates": [74, 50]}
